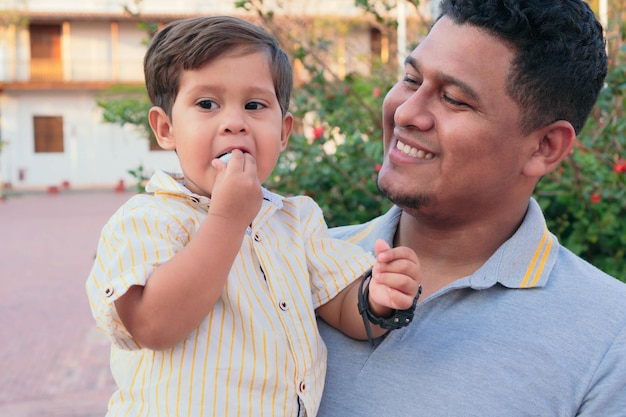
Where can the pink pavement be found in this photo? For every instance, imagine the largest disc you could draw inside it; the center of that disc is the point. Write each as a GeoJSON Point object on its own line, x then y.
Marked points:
{"type": "Point", "coordinates": [53, 360]}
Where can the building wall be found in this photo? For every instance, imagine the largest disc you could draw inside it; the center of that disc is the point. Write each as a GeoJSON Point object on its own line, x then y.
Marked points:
{"type": "Point", "coordinates": [95, 54]}
{"type": "Point", "coordinates": [95, 154]}
{"type": "Point", "coordinates": [100, 47]}
{"type": "Point", "coordinates": [289, 7]}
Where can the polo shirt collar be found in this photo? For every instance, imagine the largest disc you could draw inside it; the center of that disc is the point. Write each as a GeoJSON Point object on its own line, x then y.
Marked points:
{"type": "Point", "coordinates": [525, 260]}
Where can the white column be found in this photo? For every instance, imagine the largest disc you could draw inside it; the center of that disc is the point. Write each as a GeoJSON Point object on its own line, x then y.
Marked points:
{"type": "Point", "coordinates": [604, 13]}
{"type": "Point", "coordinates": [401, 6]}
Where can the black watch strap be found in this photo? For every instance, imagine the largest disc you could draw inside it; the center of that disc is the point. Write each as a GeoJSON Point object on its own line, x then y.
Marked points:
{"type": "Point", "coordinates": [399, 319]}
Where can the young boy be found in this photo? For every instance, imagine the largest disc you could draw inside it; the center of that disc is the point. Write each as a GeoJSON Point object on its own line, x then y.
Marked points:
{"type": "Point", "coordinates": [208, 284]}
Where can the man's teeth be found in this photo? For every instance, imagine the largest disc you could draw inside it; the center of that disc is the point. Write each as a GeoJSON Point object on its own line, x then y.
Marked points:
{"type": "Point", "coordinates": [414, 152]}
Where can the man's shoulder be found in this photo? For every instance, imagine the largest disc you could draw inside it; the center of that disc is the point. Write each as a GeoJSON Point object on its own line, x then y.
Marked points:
{"type": "Point", "coordinates": [584, 276]}
{"type": "Point", "coordinates": [381, 227]}
{"type": "Point", "coordinates": [347, 232]}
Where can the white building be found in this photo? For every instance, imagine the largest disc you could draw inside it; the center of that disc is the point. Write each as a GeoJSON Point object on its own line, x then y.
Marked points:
{"type": "Point", "coordinates": [56, 56]}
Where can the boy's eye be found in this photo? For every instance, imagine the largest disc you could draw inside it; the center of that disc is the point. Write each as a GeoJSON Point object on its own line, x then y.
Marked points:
{"type": "Point", "coordinates": [254, 105]}
{"type": "Point", "coordinates": [207, 104]}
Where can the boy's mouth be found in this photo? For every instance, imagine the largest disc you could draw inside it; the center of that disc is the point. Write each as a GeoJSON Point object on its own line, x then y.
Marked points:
{"type": "Point", "coordinates": [225, 157]}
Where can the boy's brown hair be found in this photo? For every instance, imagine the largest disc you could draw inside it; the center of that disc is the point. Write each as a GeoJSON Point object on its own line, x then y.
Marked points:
{"type": "Point", "coordinates": [189, 44]}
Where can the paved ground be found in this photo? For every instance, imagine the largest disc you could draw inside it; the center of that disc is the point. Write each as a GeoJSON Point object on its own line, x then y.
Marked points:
{"type": "Point", "coordinates": [53, 362]}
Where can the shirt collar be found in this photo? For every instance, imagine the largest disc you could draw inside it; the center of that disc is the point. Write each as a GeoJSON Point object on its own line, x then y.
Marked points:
{"type": "Point", "coordinates": [525, 260]}
{"type": "Point", "coordinates": [163, 182]}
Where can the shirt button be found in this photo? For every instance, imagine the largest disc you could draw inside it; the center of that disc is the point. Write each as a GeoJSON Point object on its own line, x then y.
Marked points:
{"type": "Point", "coordinates": [302, 386]}
{"type": "Point", "coordinates": [109, 291]}
{"type": "Point", "coordinates": [257, 237]}
{"type": "Point", "coordinates": [283, 305]}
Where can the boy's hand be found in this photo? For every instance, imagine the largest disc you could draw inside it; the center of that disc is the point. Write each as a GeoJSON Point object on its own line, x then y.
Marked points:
{"type": "Point", "coordinates": [395, 279]}
{"type": "Point", "coordinates": [236, 193]}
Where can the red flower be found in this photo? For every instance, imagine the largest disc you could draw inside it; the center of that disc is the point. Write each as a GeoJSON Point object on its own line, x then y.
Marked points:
{"type": "Point", "coordinates": [595, 198]}
{"type": "Point", "coordinates": [620, 166]}
{"type": "Point", "coordinates": [377, 167]}
{"type": "Point", "coordinates": [376, 92]}
{"type": "Point", "coordinates": [318, 132]}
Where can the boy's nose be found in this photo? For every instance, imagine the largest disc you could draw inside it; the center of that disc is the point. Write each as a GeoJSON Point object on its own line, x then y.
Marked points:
{"type": "Point", "coordinates": [234, 121]}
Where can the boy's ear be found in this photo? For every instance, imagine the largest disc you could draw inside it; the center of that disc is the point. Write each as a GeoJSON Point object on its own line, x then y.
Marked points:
{"type": "Point", "coordinates": [162, 127]}
{"type": "Point", "coordinates": [553, 143]}
{"type": "Point", "coordinates": [286, 130]}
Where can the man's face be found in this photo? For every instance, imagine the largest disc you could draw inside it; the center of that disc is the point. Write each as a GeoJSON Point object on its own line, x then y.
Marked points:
{"type": "Point", "coordinates": [453, 146]}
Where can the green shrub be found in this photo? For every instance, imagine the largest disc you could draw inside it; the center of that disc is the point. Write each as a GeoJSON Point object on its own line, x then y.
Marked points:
{"type": "Point", "coordinates": [337, 161]}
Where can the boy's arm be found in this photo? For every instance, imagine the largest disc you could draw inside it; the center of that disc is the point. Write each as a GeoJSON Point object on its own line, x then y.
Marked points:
{"type": "Point", "coordinates": [394, 286]}
{"type": "Point", "coordinates": [182, 291]}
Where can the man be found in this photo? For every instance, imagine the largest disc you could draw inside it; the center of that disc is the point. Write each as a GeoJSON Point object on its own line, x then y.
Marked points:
{"type": "Point", "coordinates": [509, 323]}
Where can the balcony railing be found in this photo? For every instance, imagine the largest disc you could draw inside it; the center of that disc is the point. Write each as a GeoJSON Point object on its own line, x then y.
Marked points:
{"type": "Point", "coordinates": [50, 70]}
{"type": "Point", "coordinates": [46, 70]}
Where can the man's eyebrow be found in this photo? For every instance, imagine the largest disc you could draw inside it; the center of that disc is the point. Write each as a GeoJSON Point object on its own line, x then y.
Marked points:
{"type": "Point", "coordinates": [446, 79]}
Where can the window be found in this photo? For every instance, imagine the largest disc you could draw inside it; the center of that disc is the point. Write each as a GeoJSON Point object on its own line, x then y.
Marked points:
{"type": "Point", "coordinates": [48, 134]}
{"type": "Point", "coordinates": [379, 50]}
{"type": "Point", "coordinates": [45, 53]}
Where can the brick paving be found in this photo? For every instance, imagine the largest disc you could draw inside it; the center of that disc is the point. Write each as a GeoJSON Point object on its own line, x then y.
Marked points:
{"type": "Point", "coordinates": [53, 361]}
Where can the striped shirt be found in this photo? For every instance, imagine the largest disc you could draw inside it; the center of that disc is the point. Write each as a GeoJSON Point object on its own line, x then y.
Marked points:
{"type": "Point", "coordinates": [258, 353]}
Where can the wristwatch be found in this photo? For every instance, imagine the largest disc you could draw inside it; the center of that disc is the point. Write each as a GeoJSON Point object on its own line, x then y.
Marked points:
{"type": "Point", "coordinates": [399, 319]}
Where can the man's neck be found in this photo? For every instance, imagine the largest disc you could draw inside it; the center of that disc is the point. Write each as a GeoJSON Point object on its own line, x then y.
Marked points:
{"type": "Point", "coordinates": [447, 254]}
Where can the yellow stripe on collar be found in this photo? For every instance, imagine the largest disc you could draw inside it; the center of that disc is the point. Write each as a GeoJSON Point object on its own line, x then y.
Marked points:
{"type": "Point", "coordinates": [535, 268]}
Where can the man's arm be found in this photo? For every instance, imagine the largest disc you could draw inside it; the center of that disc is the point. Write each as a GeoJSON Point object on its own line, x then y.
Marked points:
{"type": "Point", "coordinates": [607, 394]}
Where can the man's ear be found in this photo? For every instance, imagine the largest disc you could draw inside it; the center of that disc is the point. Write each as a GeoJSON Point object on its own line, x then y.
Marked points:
{"type": "Point", "coordinates": [552, 144]}
{"type": "Point", "coordinates": [286, 130]}
{"type": "Point", "coordinates": [162, 127]}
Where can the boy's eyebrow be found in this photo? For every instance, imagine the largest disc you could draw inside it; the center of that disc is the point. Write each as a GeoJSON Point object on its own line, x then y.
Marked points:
{"type": "Point", "coordinates": [446, 79]}
{"type": "Point", "coordinates": [252, 89]}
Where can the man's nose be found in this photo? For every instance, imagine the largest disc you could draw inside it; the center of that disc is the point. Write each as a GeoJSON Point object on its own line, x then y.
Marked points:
{"type": "Point", "coordinates": [413, 109]}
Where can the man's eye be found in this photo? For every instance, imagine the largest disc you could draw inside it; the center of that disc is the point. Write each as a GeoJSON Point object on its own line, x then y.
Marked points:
{"type": "Point", "coordinates": [254, 105]}
{"type": "Point", "coordinates": [453, 101]}
{"type": "Point", "coordinates": [407, 79]}
{"type": "Point", "coordinates": [207, 104]}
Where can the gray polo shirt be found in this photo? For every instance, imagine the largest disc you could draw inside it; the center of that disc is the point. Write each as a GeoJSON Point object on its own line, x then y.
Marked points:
{"type": "Point", "coordinates": [536, 331]}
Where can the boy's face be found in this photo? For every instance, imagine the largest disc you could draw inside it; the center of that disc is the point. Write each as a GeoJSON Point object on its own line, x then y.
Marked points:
{"type": "Point", "coordinates": [227, 104]}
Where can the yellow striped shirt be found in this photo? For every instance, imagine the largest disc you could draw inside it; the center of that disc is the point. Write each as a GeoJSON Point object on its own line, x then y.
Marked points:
{"type": "Point", "coordinates": [258, 353]}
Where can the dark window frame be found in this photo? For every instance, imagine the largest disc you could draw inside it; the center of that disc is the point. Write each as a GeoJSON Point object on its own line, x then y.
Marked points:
{"type": "Point", "coordinates": [48, 134]}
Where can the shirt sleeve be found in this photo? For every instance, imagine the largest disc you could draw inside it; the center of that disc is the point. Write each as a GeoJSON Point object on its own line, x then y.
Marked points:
{"type": "Point", "coordinates": [139, 237]}
{"type": "Point", "coordinates": [607, 393]}
{"type": "Point", "coordinates": [332, 263]}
